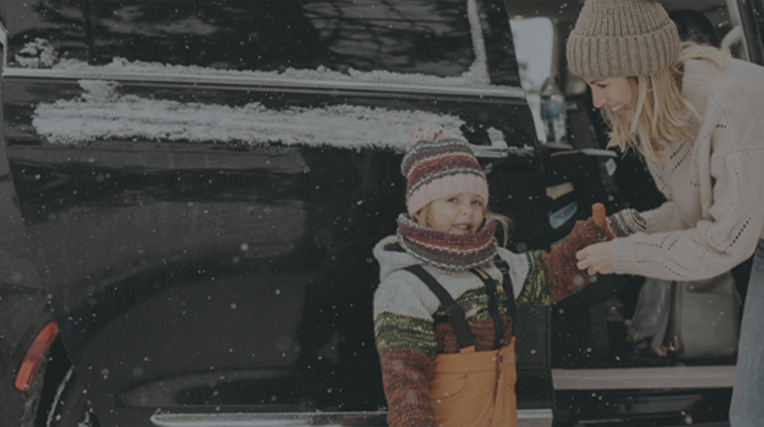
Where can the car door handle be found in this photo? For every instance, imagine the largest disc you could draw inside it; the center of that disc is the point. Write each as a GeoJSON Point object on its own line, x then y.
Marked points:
{"type": "Point", "coordinates": [599, 152]}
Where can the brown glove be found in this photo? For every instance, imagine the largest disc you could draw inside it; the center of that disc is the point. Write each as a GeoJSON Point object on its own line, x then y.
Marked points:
{"type": "Point", "coordinates": [562, 275]}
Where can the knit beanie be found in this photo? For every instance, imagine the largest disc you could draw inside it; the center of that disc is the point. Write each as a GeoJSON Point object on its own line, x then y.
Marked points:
{"type": "Point", "coordinates": [439, 166]}
{"type": "Point", "coordinates": [620, 38]}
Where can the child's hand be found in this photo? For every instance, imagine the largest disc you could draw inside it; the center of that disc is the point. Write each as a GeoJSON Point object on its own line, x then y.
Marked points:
{"type": "Point", "coordinates": [595, 259]}
{"type": "Point", "coordinates": [601, 222]}
{"type": "Point", "coordinates": [560, 264]}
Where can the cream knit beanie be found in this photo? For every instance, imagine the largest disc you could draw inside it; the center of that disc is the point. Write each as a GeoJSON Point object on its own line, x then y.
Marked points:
{"type": "Point", "coordinates": [619, 38]}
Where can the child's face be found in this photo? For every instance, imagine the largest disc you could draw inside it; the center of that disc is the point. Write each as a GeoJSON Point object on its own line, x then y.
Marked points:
{"type": "Point", "coordinates": [458, 214]}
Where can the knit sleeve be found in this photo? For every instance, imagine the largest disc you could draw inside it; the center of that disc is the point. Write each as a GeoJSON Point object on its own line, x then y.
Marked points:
{"type": "Point", "coordinates": [405, 340]}
{"type": "Point", "coordinates": [405, 377]}
{"type": "Point", "coordinates": [663, 218]}
{"type": "Point", "coordinates": [716, 243]}
{"type": "Point", "coordinates": [535, 291]}
{"type": "Point", "coordinates": [626, 222]}
{"type": "Point", "coordinates": [527, 277]}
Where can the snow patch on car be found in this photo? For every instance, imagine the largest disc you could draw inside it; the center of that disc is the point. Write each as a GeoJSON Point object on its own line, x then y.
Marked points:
{"type": "Point", "coordinates": [38, 53]}
{"type": "Point", "coordinates": [101, 113]}
{"type": "Point", "coordinates": [475, 77]}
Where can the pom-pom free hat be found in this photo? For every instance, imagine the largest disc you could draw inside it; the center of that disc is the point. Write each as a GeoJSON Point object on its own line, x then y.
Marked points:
{"type": "Point", "coordinates": [620, 38]}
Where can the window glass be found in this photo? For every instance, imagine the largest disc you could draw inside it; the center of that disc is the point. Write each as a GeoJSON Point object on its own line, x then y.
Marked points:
{"type": "Point", "coordinates": [416, 36]}
{"type": "Point", "coordinates": [533, 39]}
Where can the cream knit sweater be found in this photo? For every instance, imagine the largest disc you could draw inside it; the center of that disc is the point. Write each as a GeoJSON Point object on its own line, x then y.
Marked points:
{"type": "Point", "coordinates": [714, 182]}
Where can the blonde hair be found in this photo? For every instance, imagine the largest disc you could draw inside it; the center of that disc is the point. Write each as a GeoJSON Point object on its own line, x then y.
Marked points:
{"type": "Point", "coordinates": [662, 113]}
{"type": "Point", "coordinates": [423, 218]}
{"type": "Point", "coordinates": [506, 224]}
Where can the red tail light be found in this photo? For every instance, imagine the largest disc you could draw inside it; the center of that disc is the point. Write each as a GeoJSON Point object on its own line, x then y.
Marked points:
{"type": "Point", "coordinates": [34, 356]}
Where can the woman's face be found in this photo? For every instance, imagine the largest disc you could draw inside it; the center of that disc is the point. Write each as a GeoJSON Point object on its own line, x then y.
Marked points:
{"type": "Point", "coordinates": [458, 214]}
{"type": "Point", "coordinates": [615, 93]}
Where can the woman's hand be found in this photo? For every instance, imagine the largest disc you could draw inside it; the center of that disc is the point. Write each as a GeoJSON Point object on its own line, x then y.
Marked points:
{"type": "Point", "coordinates": [595, 259]}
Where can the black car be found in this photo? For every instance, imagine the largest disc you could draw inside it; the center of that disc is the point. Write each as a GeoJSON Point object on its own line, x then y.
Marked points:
{"type": "Point", "coordinates": [191, 191]}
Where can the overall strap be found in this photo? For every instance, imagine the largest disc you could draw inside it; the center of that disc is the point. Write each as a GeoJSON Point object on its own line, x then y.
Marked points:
{"type": "Point", "coordinates": [493, 307]}
{"type": "Point", "coordinates": [453, 310]}
{"type": "Point", "coordinates": [506, 283]}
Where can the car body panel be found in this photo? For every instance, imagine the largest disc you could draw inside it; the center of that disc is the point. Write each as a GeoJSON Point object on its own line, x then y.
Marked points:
{"type": "Point", "coordinates": [273, 236]}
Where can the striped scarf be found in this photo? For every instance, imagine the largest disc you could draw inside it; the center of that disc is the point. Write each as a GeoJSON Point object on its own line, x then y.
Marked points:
{"type": "Point", "coordinates": [446, 251]}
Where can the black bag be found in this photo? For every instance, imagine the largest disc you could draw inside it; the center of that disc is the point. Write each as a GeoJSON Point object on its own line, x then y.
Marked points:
{"type": "Point", "coordinates": [687, 319]}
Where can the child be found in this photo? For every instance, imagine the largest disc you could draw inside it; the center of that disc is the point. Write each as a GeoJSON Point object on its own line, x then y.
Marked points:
{"type": "Point", "coordinates": [443, 321]}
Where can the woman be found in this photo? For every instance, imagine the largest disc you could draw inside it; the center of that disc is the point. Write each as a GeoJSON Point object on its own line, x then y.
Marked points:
{"type": "Point", "coordinates": [696, 116]}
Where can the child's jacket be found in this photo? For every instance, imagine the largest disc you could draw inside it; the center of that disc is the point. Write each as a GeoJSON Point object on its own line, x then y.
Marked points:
{"type": "Point", "coordinates": [411, 328]}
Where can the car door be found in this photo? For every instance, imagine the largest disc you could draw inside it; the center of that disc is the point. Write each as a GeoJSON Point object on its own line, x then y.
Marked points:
{"type": "Point", "coordinates": [752, 17]}
{"type": "Point", "coordinates": [598, 373]}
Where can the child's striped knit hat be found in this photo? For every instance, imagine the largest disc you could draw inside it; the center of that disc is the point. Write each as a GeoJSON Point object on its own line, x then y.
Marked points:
{"type": "Point", "coordinates": [439, 166]}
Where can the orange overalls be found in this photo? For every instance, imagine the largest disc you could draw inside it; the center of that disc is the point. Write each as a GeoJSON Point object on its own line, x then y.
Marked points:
{"type": "Point", "coordinates": [474, 388]}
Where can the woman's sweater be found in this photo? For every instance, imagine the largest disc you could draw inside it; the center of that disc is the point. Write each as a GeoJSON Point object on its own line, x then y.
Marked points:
{"type": "Point", "coordinates": [714, 182]}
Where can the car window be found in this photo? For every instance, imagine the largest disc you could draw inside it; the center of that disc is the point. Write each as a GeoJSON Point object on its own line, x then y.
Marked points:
{"type": "Point", "coordinates": [533, 38]}
{"type": "Point", "coordinates": [416, 36]}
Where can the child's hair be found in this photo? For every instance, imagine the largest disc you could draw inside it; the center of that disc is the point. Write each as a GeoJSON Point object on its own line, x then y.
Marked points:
{"type": "Point", "coordinates": [662, 113]}
{"type": "Point", "coordinates": [423, 218]}
{"type": "Point", "coordinates": [506, 224]}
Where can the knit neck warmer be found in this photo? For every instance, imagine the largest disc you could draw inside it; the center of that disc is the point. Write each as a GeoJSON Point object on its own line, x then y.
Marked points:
{"type": "Point", "coordinates": [446, 251]}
